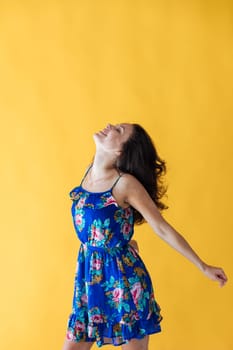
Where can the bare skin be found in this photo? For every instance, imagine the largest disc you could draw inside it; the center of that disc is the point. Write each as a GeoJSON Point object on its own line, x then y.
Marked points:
{"type": "Point", "coordinates": [134, 344]}
{"type": "Point", "coordinates": [130, 192]}
{"type": "Point", "coordinates": [137, 344]}
{"type": "Point", "coordinates": [71, 345]}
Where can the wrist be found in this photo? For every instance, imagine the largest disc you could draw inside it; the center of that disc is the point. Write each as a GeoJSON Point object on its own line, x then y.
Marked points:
{"type": "Point", "coordinates": [202, 265]}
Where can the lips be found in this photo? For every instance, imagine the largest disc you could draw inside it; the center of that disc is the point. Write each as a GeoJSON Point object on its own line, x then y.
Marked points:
{"type": "Point", "coordinates": [104, 131]}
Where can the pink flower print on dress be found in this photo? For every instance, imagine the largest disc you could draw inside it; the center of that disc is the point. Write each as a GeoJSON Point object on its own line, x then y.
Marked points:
{"type": "Point", "coordinates": [78, 219]}
{"type": "Point", "coordinates": [81, 202]}
{"type": "Point", "coordinates": [127, 213]}
{"type": "Point", "coordinates": [97, 318]}
{"type": "Point", "coordinates": [79, 326]}
{"type": "Point", "coordinates": [126, 228]}
{"type": "Point", "coordinates": [136, 291]}
{"type": "Point", "coordinates": [84, 298]}
{"type": "Point", "coordinates": [136, 316]}
{"type": "Point", "coordinates": [97, 234]}
{"type": "Point", "coordinates": [117, 294]}
{"type": "Point", "coordinates": [91, 331]}
{"type": "Point", "coordinates": [96, 264]}
{"type": "Point", "coordinates": [110, 200]}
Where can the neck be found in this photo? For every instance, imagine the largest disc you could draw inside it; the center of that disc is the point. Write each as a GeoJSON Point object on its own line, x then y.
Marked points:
{"type": "Point", "coordinates": [102, 164]}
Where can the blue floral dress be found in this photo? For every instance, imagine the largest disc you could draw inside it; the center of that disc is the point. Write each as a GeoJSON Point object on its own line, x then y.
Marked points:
{"type": "Point", "coordinates": [113, 298]}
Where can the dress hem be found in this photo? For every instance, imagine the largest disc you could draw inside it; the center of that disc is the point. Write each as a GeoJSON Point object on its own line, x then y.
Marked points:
{"type": "Point", "coordinates": [125, 341]}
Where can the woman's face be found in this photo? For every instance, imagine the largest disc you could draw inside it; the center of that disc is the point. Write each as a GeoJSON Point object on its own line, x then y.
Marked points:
{"type": "Point", "coordinates": [112, 137]}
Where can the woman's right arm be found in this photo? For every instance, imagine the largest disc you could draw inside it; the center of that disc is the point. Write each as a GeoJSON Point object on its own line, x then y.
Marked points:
{"type": "Point", "coordinates": [138, 197]}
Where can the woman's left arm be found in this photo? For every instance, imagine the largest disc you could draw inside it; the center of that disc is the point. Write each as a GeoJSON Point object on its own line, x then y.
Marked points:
{"type": "Point", "coordinates": [138, 197]}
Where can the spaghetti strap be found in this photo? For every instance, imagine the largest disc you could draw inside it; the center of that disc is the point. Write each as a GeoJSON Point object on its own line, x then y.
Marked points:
{"type": "Point", "coordinates": [85, 174]}
{"type": "Point", "coordinates": [116, 181]}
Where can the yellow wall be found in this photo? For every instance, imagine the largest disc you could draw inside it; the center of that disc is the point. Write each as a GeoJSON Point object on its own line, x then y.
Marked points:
{"type": "Point", "coordinates": [66, 69]}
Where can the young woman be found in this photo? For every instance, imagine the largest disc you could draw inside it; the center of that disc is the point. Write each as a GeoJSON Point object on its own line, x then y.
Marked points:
{"type": "Point", "coordinates": [113, 301]}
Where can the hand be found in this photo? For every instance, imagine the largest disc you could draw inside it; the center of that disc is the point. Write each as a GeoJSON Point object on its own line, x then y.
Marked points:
{"type": "Point", "coordinates": [215, 274]}
{"type": "Point", "coordinates": [133, 243]}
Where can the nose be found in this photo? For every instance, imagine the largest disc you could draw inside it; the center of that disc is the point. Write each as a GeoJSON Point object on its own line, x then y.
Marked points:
{"type": "Point", "coordinates": [108, 127]}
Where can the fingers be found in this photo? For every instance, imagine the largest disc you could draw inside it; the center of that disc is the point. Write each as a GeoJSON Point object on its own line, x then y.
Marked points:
{"type": "Point", "coordinates": [217, 274]}
{"type": "Point", "coordinates": [221, 277]}
{"type": "Point", "coordinates": [222, 283]}
{"type": "Point", "coordinates": [134, 244]}
{"type": "Point", "coordinates": [224, 275]}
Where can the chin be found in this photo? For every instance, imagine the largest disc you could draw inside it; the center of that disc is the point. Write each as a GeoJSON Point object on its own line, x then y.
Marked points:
{"type": "Point", "coordinates": [96, 137]}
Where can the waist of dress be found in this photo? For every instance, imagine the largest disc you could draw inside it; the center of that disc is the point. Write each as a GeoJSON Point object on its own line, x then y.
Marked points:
{"type": "Point", "coordinates": [103, 249]}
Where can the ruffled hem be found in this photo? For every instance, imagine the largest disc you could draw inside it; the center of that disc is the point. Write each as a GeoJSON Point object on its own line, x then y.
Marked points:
{"type": "Point", "coordinates": [117, 334]}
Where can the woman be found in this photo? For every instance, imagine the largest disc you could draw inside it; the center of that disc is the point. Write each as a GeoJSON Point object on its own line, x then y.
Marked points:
{"type": "Point", "coordinates": [113, 300]}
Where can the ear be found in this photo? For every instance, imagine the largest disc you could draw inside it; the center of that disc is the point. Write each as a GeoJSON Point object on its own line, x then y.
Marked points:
{"type": "Point", "coordinates": [118, 153]}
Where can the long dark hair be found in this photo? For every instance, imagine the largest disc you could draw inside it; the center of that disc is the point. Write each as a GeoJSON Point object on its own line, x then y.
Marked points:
{"type": "Point", "coordinates": [140, 158]}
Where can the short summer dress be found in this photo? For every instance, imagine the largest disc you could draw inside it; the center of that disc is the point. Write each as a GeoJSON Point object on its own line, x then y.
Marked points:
{"type": "Point", "coordinates": [113, 298]}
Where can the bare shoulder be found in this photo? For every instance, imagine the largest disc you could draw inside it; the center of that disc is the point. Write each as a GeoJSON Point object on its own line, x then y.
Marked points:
{"type": "Point", "coordinates": [132, 182]}
{"type": "Point", "coordinates": [129, 180]}
{"type": "Point", "coordinates": [129, 184]}
{"type": "Point", "coordinates": [125, 188]}
{"type": "Point", "coordinates": [135, 194]}
{"type": "Point", "coordinates": [131, 188]}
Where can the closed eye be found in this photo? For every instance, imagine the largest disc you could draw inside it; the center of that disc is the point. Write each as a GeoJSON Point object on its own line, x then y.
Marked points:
{"type": "Point", "coordinates": [120, 129]}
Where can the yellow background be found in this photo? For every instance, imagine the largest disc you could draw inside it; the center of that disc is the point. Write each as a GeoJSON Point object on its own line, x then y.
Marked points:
{"type": "Point", "coordinates": [66, 69]}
